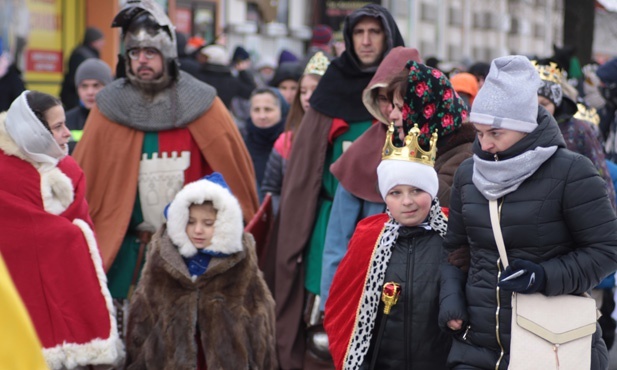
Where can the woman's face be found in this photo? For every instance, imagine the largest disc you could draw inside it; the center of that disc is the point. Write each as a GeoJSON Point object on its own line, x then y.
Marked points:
{"type": "Point", "coordinates": [408, 205]}
{"type": "Point", "coordinates": [57, 124]}
{"type": "Point", "coordinates": [288, 89]}
{"type": "Point", "coordinates": [265, 110]}
{"type": "Point", "coordinates": [384, 104]}
{"type": "Point", "coordinates": [396, 114]}
{"type": "Point", "coordinates": [307, 86]}
{"type": "Point", "coordinates": [497, 140]}
{"type": "Point", "coordinates": [547, 104]}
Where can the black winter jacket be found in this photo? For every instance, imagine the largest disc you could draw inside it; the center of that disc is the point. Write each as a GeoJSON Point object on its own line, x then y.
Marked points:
{"type": "Point", "coordinates": [409, 337]}
{"type": "Point", "coordinates": [227, 85]}
{"type": "Point", "coordinates": [11, 86]}
{"type": "Point", "coordinates": [75, 121]}
{"type": "Point", "coordinates": [560, 217]}
{"type": "Point", "coordinates": [273, 179]}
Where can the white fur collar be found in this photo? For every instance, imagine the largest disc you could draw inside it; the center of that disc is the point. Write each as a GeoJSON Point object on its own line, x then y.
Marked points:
{"type": "Point", "coordinates": [228, 226]}
{"type": "Point", "coordinates": [57, 189]}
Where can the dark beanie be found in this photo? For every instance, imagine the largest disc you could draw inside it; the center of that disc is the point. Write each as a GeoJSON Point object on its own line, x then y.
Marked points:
{"type": "Point", "coordinates": [92, 34]}
{"type": "Point", "coordinates": [287, 57]}
{"type": "Point", "coordinates": [287, 71]}
{"type": "Point", "coordinates": [607, 72]}
{"type": "Point", "coordinates": [322, 35]}
{"type": "Point", "coordinates": [240, 54]}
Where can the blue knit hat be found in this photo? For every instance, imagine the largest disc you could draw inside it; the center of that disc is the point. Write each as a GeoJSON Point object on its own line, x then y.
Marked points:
{"type": "Point", "coordinates": [287, 57]}
{"type": "Point", "coordinates": [217, 178]}
{"type": "Point", "coordinates": [240, 54]}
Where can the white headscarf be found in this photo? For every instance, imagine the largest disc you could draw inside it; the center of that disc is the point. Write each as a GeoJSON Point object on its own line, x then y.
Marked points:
{"type": "Point", "coordinates": [32, 137]}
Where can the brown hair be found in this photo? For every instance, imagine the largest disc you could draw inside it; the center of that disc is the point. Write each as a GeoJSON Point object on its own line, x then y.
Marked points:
{"type": "Point", "coordinates": [399, 83]}
{"type": "Point", "coordinates": [296, 112]}
{"type": "Point", "coordinates": [40, 103]}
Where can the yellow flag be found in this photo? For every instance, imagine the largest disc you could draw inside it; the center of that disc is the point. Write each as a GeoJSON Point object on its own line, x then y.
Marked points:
{"type": "Point", "coordinates": [20, 348]}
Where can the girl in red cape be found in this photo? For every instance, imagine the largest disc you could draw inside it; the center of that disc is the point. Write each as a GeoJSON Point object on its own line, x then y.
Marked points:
{"type": "Point", "coordinates": [46, 237]}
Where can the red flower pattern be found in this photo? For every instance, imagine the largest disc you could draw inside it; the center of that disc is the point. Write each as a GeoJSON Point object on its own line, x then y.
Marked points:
{"type": "Point", "coordinates": [447, 120]}
{"type": "Point", "coordinates": [429, 110]}
{"type": "Point", "coordinates": [406, 111]}
{"type": "Point", "coordinates": [447, 94]}
{"type": "Point", "coordinates": [421, 88]}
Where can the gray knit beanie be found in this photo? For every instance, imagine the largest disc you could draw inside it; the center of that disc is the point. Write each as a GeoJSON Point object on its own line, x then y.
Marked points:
{"type": "Point", "coordinates": [93, 69]}
{"type": "Point", "coordinates": [509, 97]}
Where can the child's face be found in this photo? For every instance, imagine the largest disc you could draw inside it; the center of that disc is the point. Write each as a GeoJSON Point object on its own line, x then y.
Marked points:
{"type": "Point", "coordinates": [408, 205]}
{"type": "Point", "coordinates": [200, 227]}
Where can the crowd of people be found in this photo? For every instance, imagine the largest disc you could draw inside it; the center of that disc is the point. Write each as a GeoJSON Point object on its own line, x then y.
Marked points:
{"type": "Point", "coordinates": [127, 204]}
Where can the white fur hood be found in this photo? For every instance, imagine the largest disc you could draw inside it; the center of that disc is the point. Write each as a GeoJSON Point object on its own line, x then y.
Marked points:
{"type": "Point", "coordinates": [56, 188]}
{"type": "Point", "coordinates": [228, 226]}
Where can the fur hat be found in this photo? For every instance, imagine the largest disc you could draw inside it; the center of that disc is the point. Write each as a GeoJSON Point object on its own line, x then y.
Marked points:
{"type": "Point", "coordinates": [93, 69]}
{"type": "Point", "coordinates": [509, 97]}
{"type": "Point", "coordinates": [216, 54]}
{"type": "Point", "coordinates": [228, 227]}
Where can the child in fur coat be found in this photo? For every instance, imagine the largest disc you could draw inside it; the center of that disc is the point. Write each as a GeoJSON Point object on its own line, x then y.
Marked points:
{"type": "Point", "coordinates": [201, 301]}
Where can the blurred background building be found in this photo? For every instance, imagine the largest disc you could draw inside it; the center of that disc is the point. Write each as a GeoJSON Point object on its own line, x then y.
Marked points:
{"type": "Point", "coordinates": [40, 34]}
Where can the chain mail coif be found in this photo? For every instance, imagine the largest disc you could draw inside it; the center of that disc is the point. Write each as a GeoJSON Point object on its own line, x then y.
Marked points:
{"type": "Point", "coordinates": [174, 107]}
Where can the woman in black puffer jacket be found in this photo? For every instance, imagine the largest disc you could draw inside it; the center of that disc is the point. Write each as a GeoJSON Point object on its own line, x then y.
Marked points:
{"type": "Point", "coordinates": [556, 219]}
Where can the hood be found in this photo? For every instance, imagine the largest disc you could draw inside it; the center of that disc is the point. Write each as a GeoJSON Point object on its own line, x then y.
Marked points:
{"type": "Point", "coordinates": [392, 65]}
{"type": "Point", "coordinates": [545, 135]}
{"type": "Point", "coordinates": [228, 227]}
{"type": "Point", "coordinates": [393, 35]}
{"type": "Point", "coordinates": [345, 79]}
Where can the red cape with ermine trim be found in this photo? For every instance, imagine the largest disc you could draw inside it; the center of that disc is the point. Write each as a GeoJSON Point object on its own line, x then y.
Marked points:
{"type": "Point", "coordinates": [348, 286]}
{"type": "Point", "coordinates": [56, 267]}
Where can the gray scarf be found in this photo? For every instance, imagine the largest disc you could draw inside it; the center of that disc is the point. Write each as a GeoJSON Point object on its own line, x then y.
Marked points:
{"type": "Point", "coordinates": [494, 179]}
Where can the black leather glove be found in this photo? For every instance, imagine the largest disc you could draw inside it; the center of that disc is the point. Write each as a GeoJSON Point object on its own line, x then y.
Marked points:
{"type": "Point", "coordinates": [531, 281]}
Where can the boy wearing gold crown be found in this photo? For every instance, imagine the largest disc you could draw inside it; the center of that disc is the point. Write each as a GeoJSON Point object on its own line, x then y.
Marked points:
{"type": "Point", "coordinates": [386, 316]}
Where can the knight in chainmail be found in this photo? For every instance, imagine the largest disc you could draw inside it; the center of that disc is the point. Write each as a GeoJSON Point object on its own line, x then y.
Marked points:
{"type": "Point", "coordinates": [153, 131]}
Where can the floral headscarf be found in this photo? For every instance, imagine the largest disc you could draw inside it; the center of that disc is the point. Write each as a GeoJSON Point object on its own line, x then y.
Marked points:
{"type": "Point", "coordinates": [431, 102]}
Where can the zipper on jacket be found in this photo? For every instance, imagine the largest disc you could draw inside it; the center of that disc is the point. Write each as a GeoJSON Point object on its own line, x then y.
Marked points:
{"type": "Point", "coordinates": [408, 291]}
{"type": "Point", "coordinates": [497, 293]}
{"type": "Point", "coordinates": [496, 157]}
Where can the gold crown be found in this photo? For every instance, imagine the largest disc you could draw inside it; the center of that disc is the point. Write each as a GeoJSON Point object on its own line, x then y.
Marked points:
{"type": "Point", "coordinates": [551, 72]}
{"type": "Point", "coordinates": [412, 150]}
{"type": "Point", "coordinates": [588, 114]}
{"type": "Point", "coordinates": [317, 65]}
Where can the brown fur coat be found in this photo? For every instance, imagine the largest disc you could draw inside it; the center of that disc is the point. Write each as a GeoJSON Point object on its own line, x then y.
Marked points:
{"type": "Point", "coordinates": [230, 304]}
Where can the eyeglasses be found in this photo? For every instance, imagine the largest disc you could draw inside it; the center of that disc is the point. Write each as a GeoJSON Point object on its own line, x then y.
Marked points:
{"type": "Point", "coordinates": [149, 53]}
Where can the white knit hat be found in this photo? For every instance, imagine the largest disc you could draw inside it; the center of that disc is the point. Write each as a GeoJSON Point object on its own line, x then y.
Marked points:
{"type": "Point", "coordinates": [392, 172]}
{"type": "Point", "coordinates": [509, 97]}
{"type": "Point", "coordinates": [216, 54]}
